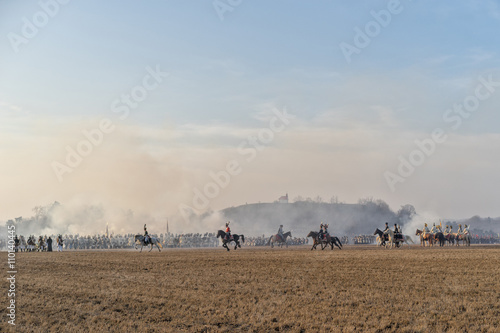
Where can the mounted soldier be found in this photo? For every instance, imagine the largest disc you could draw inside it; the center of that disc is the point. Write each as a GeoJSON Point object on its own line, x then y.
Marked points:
{"type": "Point", "coordinates": [460, 231]}
{"type": "Point", "coordinates": [397, 232]}
{"type": "Point", "coordinates": [325, 227]}
{"type": "Point", "coordinates": [433, 229]}
{"type": "Point", "coordinates": [466, 229]}
{"type": "Point", "coordinates": [386, 237]}
{"type": "Point", "coordinates": [280, 232]}
{"type": "Point", "coordinates": [228, 231]}
{"type": "Point", "coordinates": [146, 236]}
{"type": "Point", "coordinates": [446, 230]}
{"type": "Point", "coordinates": [321, 232]}
{"type": "Point", "coordinates": [426, 229]}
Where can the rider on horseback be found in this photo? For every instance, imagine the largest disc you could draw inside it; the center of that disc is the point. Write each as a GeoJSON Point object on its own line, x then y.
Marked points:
{"type": "Point", "coordinates": [228, 231]}
{"type": "Point", "coordinates": [321, 232]}
{"type": "Point", "coordinates": [433, 229]}
{"type": "Point", "coordinates": [386, 229]}
{"type": "Point", "coordinates": [397, 232]}
{"type": "Point", "coordinates": [460, 230]}
{"type": "Point", "coordinates": [280, 232]}
{"type": "Point", "coordinates": [146, 236]}
{"type": "Point", "coordinates": [325, 227]}
{"type": "Point", "coordinates": [426, 229]}
{"type": "Point", "coordinates": [466, 230]}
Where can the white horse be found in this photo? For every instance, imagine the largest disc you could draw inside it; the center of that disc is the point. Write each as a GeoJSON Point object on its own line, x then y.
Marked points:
{"type": "Point", "coordinates": [139, 240]}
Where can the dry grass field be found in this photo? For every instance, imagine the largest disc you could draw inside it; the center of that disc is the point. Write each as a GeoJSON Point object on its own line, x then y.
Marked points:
{"type": "Point", "coordinates": [359, 288]}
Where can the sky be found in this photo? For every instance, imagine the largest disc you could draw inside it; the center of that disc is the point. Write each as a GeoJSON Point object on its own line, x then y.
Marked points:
{"type": "Point", "coordinates": [167, 108]}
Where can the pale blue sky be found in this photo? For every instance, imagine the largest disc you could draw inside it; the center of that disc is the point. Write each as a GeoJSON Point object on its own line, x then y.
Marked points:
{"type": "Point", "coordinates": [263, 54]}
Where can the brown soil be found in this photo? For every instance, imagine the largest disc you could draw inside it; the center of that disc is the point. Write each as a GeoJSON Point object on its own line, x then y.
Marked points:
{"type": "Point", "coordinates": [360, 288]}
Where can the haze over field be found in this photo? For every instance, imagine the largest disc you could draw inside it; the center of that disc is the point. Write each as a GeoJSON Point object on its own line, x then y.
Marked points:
{"type": "Point", "coordinates": [162, 109]}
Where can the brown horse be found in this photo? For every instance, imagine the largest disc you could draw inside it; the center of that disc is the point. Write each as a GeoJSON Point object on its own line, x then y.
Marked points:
{"type": "Point", "coordinates": [316, 241]}
{"type": "Point", "coordinates": [424, 237]}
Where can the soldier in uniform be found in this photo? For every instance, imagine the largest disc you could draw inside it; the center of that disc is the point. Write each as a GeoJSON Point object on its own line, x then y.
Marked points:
{"type": "Point", "coordinates": [325, 227]}
{"type": "Point", "coordinates": [466, 229]}
{"type": "Point", "coordinates": [433, 229]}
{"type": "Point", "coordinates": [280, 232]}
{"type": "Point", "coordinates": [446, 230]}
{"type": "Point", "coordinates": [321, 232]}
{"type": "Point", "coordinates": [16, 243]}
{"type": "Point", "coordinates": [146, 236]}
{"type": "Point", "coordinates": [228, 231]}
{"type": "Point", "coordinates": [460, 230]}
{"type": "Point", "coordinates": [426, 229]}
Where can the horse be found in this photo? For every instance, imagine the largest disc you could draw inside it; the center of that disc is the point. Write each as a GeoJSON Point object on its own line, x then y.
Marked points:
{"type": "Point", "coordinates": [234, 238]}
{"type": "Point", "coordinates": [465, 238]}
{"type": "Point", "coordinates": [439, 237]}
{"type": "Point", "coordinates": [139, 239]}
{"type": "Point", "coordinates": [334, 240]}
{"type": "Point", "coordinates": [279, 239]}
{"type": "Point", "coordinates": [316, 240]}
{"type": "Point", "coordinates": [324, 242]}
{"type": "Point", "coordinates": [390, 234]}
{"type": "Point", "coordinates": [427, 237]}
{"type": "Point", "coordinates": [450, 238]}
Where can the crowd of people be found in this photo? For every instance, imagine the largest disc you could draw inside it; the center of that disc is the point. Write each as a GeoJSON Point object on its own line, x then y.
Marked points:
{"type": "Point", "coordinates": [193, 240]}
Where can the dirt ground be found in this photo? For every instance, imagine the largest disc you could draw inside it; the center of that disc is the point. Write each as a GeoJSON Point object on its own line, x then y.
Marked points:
{"type": "Point", "coordinates": [359, 288]}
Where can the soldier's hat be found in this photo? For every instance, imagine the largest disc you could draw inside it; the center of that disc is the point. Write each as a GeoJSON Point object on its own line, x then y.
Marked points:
{"type": "Point", "coordinates": [459, 225]}
{"type": "Point", "coordinates": [466, 225]}
{"type": "Point", "coordinates": [144, 227]}
{"type": "Point", "coordinates": [281, 225]}
{"type": "Point", "coordinates": [425, 224]}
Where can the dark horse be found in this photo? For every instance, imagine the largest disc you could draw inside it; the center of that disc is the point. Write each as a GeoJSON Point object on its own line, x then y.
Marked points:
{"type": "Point", "coordinates": [328, 240]}
{"type": "Point", "coordinates": [439, 237]}
{"type": "Point", "coordinates": [234, 238]}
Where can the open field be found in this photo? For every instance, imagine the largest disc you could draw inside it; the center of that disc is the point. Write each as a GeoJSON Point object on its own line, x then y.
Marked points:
{"type": "Point", "coordinates": [360, 288]}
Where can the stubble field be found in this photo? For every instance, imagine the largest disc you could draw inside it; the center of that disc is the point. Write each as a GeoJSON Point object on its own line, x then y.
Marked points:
{"type": "Point", "coordinates": [359, 288]}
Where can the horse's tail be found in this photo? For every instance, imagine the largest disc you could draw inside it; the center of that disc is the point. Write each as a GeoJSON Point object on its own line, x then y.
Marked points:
{"type": "Point", "coordinates": [242, 238]}
{"type": "Point", "coordinates": [269, 240]}
{"type": "Point", "coordinates": [159, 244]}
{"type": "Point", "coordinates": [338, 240]}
